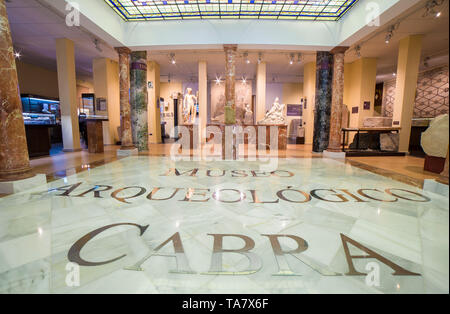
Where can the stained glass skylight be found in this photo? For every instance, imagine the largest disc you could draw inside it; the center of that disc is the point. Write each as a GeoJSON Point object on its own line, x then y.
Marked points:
{"type": "Point", "coordinates": [150, 10]}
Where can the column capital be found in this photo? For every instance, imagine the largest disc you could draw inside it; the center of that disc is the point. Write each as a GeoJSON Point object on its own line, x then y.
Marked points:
{"type": "Point", "coordinates": [230, 47]}
{"type": "Point", "coordinates": [123, 50]}
{"type": "Point", "coordinates": [339, 49]}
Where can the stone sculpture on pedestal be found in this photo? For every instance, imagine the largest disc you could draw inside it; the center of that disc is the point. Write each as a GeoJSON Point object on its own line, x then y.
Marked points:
{"type": "Point", "coordinates": [275, 115]}
{"type": "Point", "coordinates": [248, 116]}
{"type": "Point", "coordinates": [189, 110]}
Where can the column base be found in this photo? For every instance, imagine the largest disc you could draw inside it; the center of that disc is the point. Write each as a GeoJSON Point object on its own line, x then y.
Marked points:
{"type": "Point", "coordinates": [11, 187]}
{"type": "Point", "coordinates": [333, 155]}
{"type": "Point", "coordinates": [434, 186]}
{"type": "Point", "coordinates": [127, 152]}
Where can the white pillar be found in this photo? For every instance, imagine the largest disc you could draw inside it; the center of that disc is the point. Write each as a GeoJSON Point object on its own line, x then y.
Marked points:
{"type": "Point", "coordinates": [260, 109]}
{"type": "Point", "coordinates": [405, 92]}
{"type": "Point", "coordinates": [202, 97]}
{"type": "Point", "coordinates": [65, 60]}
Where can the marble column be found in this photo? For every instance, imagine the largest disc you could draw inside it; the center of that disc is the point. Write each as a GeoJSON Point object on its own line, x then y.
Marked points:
{"type": "Point", "coordinates": [443, 178]}
{"type": "Point", "coordinates": [322, 114]}
{"type": "Point", "coordinates": [337, 100]}
{"type": "Point", "coordinates": [125, 108]}
{"type": "Point", "coordinates": [202, 98]}
{"type": "Point", "coordinates": [230, 82]}
{"type": "Point", "coordinates": [14, 161]}
{"type": "Point", "coordinates": [139, 100]}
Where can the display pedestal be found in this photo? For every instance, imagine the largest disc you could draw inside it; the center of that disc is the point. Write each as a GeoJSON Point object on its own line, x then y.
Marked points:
{"type": "Point", "coordinates": [11, 187]}
{"type": "Point", "coordinates": [282, 134]}
{"type": "Point", "coordinates": [95, 135]}
{"type": "Point", "coordinates": [230, 148]}
{"type": "Point", "coordinates": [127, 152]}
{"type": "Point", "coordinates": [333, 155]}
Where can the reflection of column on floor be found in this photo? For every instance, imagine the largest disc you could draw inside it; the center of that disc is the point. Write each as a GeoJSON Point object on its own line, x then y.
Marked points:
{"type": "Point", "coordinates": [125, 110]}
{"type": "Point", "coordinates": [65, 60]}
{"type": "Point", "coordinates": [14, 161]}
{"type": "Point", "coordinates": [260, 109]}
{"type": "Point", "coordinates": [405, 91]}
{"type": "Point", "coordinates": [139, 99]}
{"type": "Point", "coordinates": [309, 92]}
{"type": "Point", "coordinates": [230, 82]}
{"type": "Point", "coordinates": [324, 79]}
{"type": "Point", "coordinates": [154, 112]}
{"type": "Point", "coordinates": [337, 102]}
{"type": "Point", "coordinates": [202, 97]}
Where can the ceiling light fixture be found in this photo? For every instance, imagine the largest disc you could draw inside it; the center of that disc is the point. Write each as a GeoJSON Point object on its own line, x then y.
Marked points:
{"type": "Point", "coordinates": [244, 80]}
{"type": "Point", "coordinates": [246, 59]}
{"type": "Point", "coordinates": [97, 45]}
{"type": "Point", "coordinates": [291, 59]}
{"type": "Point", "coordinates": [172, 58]}
{"type": "Point", "coordinates": [17, 55]}
{"type": "Point", "coordinates": [430, 8]}
{"type": "Point", "coordinates": [299, 57]}
{"type": "Point", "coordinates": [389, 34]}
{"type": "Point", "coordinates": [358, 51]}
{"type": "Point", "coordinates": [259, 57]}
{"type": "Point", "coordinates": [218, 80]}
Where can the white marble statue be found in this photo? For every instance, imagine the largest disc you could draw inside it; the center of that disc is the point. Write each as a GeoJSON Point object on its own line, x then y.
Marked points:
{"type": "Point", "coordinates": [248, 116]}
{"type": "Point", "coordinates": [189, 110]}
{"type": "Point", "coordinates": [275, 115]}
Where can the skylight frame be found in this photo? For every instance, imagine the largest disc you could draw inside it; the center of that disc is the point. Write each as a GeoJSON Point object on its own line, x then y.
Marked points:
{"type": "Point", "coordinates": [154, 10]}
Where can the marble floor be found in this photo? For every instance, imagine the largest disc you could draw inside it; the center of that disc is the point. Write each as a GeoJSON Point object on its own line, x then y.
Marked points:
{"type": "Point", "coordinates": [148, 224]}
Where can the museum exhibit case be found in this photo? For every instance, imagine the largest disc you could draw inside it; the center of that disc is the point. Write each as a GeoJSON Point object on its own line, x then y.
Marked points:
{"type": "Point", "coordinates": [42, 119]}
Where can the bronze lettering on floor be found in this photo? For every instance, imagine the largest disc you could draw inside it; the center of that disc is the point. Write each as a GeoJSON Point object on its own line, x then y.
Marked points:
{"type": "Point", "coordinates": [289, 194]}
{"type": "Point", "coordinates": [254, 260]}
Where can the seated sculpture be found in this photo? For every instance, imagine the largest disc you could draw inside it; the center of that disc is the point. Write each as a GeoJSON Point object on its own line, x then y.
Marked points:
{"type": "Point", "coordinates": [275, 115]}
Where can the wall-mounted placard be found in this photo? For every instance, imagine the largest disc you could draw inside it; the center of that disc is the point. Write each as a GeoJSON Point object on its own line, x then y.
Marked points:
{"type": "Point", "coordinates": [355, 109]}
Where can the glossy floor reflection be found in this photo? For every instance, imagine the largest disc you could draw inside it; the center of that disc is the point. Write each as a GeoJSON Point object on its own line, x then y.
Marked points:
{"type": "Point", "coordinates": [194, 210]}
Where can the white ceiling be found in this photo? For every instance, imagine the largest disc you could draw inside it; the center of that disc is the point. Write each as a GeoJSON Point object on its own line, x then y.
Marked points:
{"type": "Point", "coordinates": [35, 27]}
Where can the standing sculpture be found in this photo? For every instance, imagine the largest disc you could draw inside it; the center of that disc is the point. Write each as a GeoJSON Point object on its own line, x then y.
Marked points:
{"type": "Point", "coordinates": [275, 115]}
{"type": "Point", "coordinates": [248, 116]}
{"type": "Point", "coordinates": [189, 109]}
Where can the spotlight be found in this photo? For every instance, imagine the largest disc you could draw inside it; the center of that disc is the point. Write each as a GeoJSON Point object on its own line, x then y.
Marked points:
{"type": "Point", "coordinates": [358, 51]}
{"type": "Point", "coordinates": [247, 60]}
{"type": "Point", "coordinates": [17, 55]}
{"type": "Point", "coordinates": [430, 8]}
{"type": "Point", "coordinates": [394, 74]}
{"type": "Point", "coordinates": [172, 58]}
{"type": "Point", "coordinates": [299, 58]}
{"type": "Point", "coordinates": [259, 58]}
{"type": "Point", "coordinates": [390, 33]}
{"type": "Point", "coordinates": [97, 45]}
{"type": "Point", "coordinates": [291, 59]}
{"type": "Point", "coordinates": [218, 80]}
{"type": "Point", "coordinates": [244, 80]}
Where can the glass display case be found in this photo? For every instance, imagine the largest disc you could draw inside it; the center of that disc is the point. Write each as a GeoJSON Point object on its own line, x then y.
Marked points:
{"type": "Point", "coordinates": [40, 110]}
{"type": "Point", "coordinates": [39, 119]}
